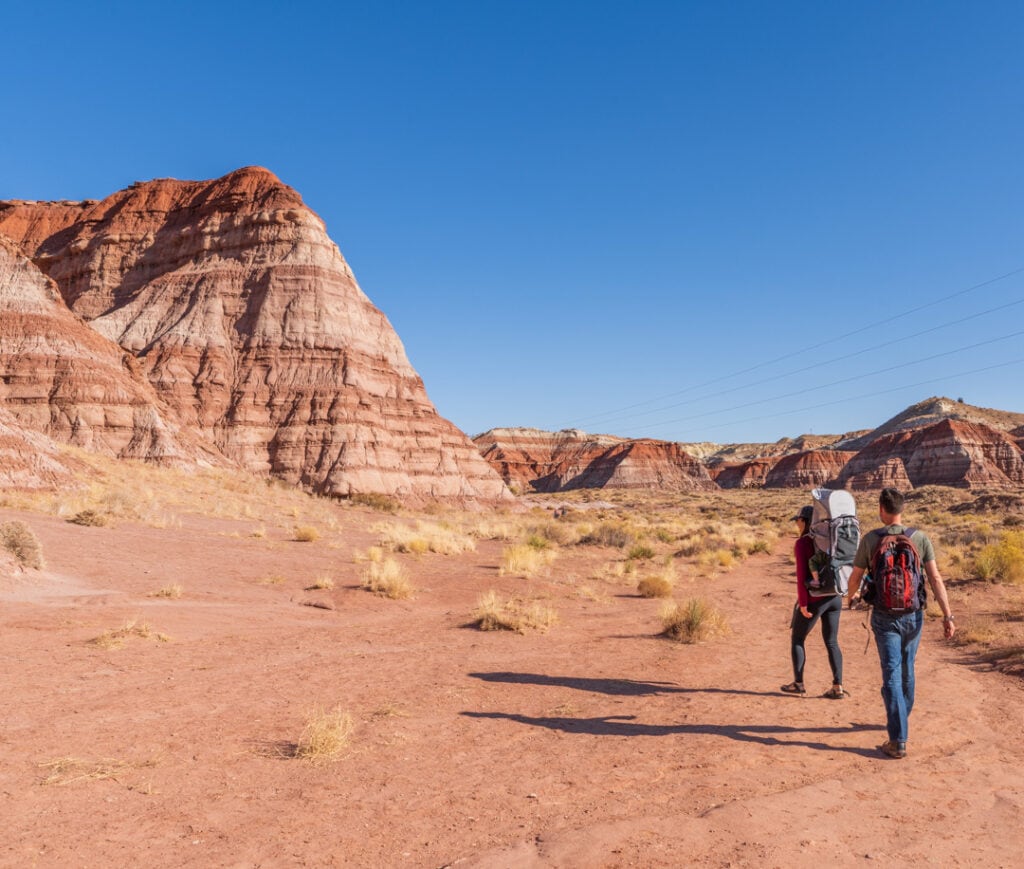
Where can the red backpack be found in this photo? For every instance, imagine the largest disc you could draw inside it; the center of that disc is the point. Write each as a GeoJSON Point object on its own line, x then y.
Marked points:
{"type": "Point", "coordinates": [896, 576]}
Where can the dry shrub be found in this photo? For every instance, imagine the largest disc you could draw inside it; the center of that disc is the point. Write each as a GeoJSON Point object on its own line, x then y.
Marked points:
{"type": "Point", "coordinates": [375, 502]}
{"type": "Point", "coordinates": [488, 530]}
{"type": "Point", "coordinates": [306, 534]}
{"type": "Point", "coordinates": [172, 591]}
{"type": "Point", "coordinates": [718, 558]}
{"type": "Point", "coordinates": [614, 534]}
{"type": "Point", "coordinates": [521, 559]}
{"type": "Point", "coordinates": [692, 621]}
{"type": "Point", "coordinates": [90, 518]}
{"type": "Point", "coordinates": [658, 584]}
{"type": "Point", "coordinates": [426, 537]}
{"type": "Point", "coordinates": [18, 539]}
{"type": "Point", "coordinates": [326, 736]}
{"type": "Point", "coordinates": [321, 583]}
{"type": "Point", "coordinates": [116, 638]}
{"type": "Point", "coordinates": [70, 770]}
{"type": "Point", "coordinates": [387, 578]}
{"type": "Point", "coordinates": [557, 531]}
{"type": "Point", "coordinates": [640, 552]}
{"type": "Point", "coordinates": [976, 630]}
{"type": "Point", "coordinates": [1002, 560]}
{"type": "Point", "coordinates": [494, 614]}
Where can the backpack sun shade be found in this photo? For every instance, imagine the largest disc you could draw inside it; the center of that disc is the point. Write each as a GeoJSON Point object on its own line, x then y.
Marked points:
{"type": "Point", "coordinates": [836, 532]}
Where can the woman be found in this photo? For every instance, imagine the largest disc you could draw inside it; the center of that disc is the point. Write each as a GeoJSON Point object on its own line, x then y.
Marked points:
{"type": "Point", "coordinates": [808, 610]}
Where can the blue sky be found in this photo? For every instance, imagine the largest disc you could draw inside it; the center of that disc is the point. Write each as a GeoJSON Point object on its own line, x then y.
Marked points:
{"type": "Point", "coordinates": [720, 221]}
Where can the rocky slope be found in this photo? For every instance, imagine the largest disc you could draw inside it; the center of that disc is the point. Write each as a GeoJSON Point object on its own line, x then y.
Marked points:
{"type": "Point", "coordinates": [934, 442]}
{"type": "Point", "coordinates": [534, 460]}
{"type": "Point", "coordinates": [950, 452]}
{"type": "Point", "coordinates": [242, 332]}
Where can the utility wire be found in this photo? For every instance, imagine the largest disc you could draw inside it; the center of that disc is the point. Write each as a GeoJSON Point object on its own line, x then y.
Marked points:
{"type": "Point", "coordinates": [832, 360]}
{"type": "Point", "coordinates": [805, 390]}
{"type": "Point", "coordinates": [871, 394]}
{"type": "Point", "coordinates": [800, 352]}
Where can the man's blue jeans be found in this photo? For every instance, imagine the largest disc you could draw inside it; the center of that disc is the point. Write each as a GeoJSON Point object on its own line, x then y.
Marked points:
{"type": "Point", "coordinates": [897, 638]}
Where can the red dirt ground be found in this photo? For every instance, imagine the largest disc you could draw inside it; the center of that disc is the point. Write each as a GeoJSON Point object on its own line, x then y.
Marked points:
{"type": "Point", "coordinates": [594, 744]}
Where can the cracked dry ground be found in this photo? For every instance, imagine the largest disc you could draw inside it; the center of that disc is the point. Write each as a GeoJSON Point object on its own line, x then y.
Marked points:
{"type": "Point", "coordinates": [594, 744]}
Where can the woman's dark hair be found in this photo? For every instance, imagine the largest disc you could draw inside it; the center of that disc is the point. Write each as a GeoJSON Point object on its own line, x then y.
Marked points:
{"type": "Point", "coordinates": [891, 500]}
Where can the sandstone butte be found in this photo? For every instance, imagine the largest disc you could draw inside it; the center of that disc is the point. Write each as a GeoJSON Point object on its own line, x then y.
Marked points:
{"type": "Point", "coordinates": [935, 442]}
{"type": "Point", "coordinates": [535, 460]}
{"type": "Point", "coordinates": [211, 322]}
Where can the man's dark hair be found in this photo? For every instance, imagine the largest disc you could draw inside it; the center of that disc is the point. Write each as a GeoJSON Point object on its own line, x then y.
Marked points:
{"type": "Point", "coordinates": [891, 500]}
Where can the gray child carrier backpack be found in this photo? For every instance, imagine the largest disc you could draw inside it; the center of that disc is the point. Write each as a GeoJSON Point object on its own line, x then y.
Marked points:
{"type": "Point", "coordinates": [836, 533]}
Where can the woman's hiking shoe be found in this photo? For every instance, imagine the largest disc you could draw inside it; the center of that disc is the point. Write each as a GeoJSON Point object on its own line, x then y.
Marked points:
{"type": "Point", "coordinates": [794, 688]}
{"type": "Point", "coordinates": [892, 749]}
{"type": "Point", "coordinates": [836, 692]}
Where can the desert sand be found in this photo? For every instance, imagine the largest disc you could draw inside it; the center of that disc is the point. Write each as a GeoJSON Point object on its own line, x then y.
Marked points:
{"type": "Point", "coordinates": [595, 743]}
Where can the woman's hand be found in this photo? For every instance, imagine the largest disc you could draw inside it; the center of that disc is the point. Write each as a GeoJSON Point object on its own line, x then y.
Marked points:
{"type": "Point", "coordinates": [806, 613]}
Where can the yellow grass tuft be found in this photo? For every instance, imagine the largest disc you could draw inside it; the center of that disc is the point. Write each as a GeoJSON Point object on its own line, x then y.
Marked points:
{"type": "Point", "coordinates": [521, 559]}
{"type": "Point", "coordinates": [660, 584]}
{"type": "Point", "coordinates": [326, 736]}
{"type": "Point", "coordinates": [387, 578]}
{"type": "Point", "coordinates": [494, 614]}
{"type": "Point", "coordinates": [426, 537]}
{"type": "Point", "coordinates": [116, 638]}
{"type": "Point", "coordinates": [306, 534]}
{"type": "Point", "coordinates": [172, 591]}
{"type": "Point", "coordinates": [692, 621]}
{"type": "Point", "coordinates": [321, 583]}
{"type": "Point", "coordinates": [1003, 560]}
{"type": "Point", "coordinates": [71, 770]}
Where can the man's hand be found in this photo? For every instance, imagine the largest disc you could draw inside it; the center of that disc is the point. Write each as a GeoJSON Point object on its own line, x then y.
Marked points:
{"type": "Point", "coordinates": [948, 627]}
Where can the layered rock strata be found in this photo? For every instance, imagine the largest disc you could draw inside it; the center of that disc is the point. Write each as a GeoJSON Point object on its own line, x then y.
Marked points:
{"type": "Point", "coordinates": [228, 302]}
{"type": "Point", "coordinates": [61, 380]}
{"type": "Point", "coordinates": [807, 469]}
{"type": "Point", "coordinates": [751, 474]}
{"type": "Point", "coordinates": [947, 453]}
{"type": "Point", "coordinates": [540, 461]}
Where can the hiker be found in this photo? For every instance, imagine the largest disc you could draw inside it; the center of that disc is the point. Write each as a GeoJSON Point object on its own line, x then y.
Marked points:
{"type": "Point", "coordinates": [809, 609]}
{"type": "Point", "coordinates": [898, 598]}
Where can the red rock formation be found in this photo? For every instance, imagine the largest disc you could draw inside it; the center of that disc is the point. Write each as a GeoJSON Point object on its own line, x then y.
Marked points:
{"type": "Point", "coordinates": [751, 474]}
{"type": "Point", "coordinates": [247, 323]}
{"type": "Point", "coordinates": [946, 453]}
{"type": "Point", "coordinates": [556, 461]}
{"type": "Point", "coordinates": [61, 379]}
{"type": "Point", "coordinates": [807, 469]}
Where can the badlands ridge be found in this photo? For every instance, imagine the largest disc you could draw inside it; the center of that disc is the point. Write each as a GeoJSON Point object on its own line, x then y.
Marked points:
{"type": "Point", "coordinates": [215, 323]}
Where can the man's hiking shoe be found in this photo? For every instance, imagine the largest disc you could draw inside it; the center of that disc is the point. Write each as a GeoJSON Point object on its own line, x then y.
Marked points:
{"type": "Point", "coordinates": [836, 692]}
{"type": "Point", "coordinates": [794, 688]}
{"type": "Point", "coordinates": [896, 750]}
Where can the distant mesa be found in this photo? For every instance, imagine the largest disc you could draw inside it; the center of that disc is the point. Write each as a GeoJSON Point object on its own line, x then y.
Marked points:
{"type": "Point", "coordinates": [935, 442]}
{"type": "Point", "coordinates": [212, 322]}
{"type": "Point", "coordinates": [534, 460]}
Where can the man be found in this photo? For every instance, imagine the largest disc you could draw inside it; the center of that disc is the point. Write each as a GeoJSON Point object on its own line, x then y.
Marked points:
{"type": "Point", "coordinates": [898, 633]}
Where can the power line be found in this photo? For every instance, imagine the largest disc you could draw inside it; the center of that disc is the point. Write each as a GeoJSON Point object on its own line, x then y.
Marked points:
{"type": "Point", "coordinates": [805, 390]}
{"type": "Point", "coordinates": [818, 346]}
{"type": "Point", "coordinates": [833, 359]}
{"type": "Point", "coordinates": [871, 394]}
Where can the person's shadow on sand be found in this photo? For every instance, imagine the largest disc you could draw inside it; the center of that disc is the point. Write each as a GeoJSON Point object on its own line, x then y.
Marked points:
{"type": "Point", "coordinates": [615, 687]}
{"type": "Point", "coordinates": [623, 725]}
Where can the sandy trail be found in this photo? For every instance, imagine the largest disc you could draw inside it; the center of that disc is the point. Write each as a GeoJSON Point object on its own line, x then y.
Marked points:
{"type": "Point", "coordinates": [595, 744]}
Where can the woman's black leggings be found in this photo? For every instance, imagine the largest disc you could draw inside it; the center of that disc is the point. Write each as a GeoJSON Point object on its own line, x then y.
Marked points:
{"type": "Point", "coordinates": [828, 609]}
